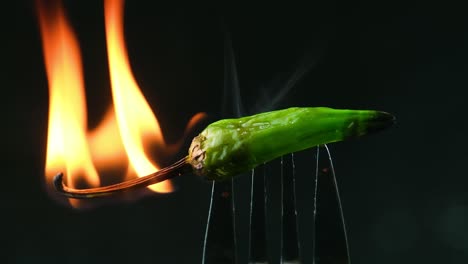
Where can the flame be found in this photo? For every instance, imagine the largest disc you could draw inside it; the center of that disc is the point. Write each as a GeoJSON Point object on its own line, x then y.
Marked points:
{"type": "Point", "coordinates": [67, 147]}
{"type": "Point", "coordinates": [134, 116]}
{"type": "Point", "coordinates": [126, 128]}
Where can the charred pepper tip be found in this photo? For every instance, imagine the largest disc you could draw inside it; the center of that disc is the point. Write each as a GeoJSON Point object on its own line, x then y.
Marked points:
{"type": "Point", "coordinates": [381, 121]}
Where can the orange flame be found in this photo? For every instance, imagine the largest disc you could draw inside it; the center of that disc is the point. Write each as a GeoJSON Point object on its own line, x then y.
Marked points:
{"type": "Point", "coordinates": [134, 116]}
{"type": "Point", "coordinates": [67, 147]}
{"type": "Point", "coordinates": [121, 136]}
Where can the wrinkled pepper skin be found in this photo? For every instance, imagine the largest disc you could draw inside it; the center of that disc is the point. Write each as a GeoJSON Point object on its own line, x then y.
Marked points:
{"type": "Point", "coordinates": [229, 147]}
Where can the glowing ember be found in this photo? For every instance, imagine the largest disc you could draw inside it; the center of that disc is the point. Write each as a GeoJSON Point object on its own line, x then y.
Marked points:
{"type": "Point", "coordinates": [126, 129]}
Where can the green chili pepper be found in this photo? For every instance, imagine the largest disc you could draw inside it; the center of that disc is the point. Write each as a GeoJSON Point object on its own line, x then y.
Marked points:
{"type": "Point", "coordinates": [229, 147]}
{"type": "Point", "coordinates": [232, 146]}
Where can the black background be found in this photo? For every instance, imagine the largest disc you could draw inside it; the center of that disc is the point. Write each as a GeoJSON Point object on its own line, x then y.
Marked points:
{"type": "Point", "coordinates": [403, 190]}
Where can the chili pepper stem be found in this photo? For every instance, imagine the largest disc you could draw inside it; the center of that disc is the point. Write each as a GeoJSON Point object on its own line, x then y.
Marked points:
{"type": "Point", "coordinates": [176, 169]}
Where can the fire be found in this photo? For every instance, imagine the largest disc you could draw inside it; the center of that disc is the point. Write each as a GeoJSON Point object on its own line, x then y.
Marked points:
{"type": "Point", "coordinates": [134, 116]}
{"type": "Point", "coordinates": [125, 130]}
{"type": "Point", "coordinates": [67, 146]}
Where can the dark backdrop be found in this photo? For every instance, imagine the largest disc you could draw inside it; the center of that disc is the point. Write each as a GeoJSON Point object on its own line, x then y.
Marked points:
{"type": "Point", "coordinates": [403, 190]}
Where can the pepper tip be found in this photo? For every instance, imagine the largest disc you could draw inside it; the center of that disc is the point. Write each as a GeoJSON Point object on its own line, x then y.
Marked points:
{"type": "Point", "coordinates": [382, 120]}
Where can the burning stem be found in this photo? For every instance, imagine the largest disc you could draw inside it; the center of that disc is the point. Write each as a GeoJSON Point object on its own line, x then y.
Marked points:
{"type": "Point", "coordinates": [176, 169]}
